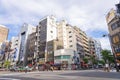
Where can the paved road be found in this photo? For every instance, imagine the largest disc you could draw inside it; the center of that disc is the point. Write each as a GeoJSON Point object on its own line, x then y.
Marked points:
{"type": "Point", "coordinates": [62, 75]}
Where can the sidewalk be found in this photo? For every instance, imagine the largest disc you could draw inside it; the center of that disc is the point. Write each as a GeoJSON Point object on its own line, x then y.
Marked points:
{"type": "Point", "coordinates": [4, 72]}
{"type": "Point", "coordinates": [113, 71]}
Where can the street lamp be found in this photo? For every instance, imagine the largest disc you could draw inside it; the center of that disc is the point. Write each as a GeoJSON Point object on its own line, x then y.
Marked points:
{"type": "Point", "coordinates": [113, 50]}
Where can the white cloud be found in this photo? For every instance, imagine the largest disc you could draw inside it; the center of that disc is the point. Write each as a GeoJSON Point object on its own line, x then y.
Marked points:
{"type": "Point", "coordinates": [89, 15]}
{"type": "Point", "coordinates": [105, 43]}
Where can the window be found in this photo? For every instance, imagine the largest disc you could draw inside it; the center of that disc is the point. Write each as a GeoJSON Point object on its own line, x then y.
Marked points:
{"type": "Point", "coordinates": [62, 57]}
{"type": "Point", "coordinates": [70, 41]}
{"type": "Point", "coordinates": [117, 49]}
{"type": "Point", "coordinates": [115, 25]}
{"type": "Point", "coordinates": [70, 36]}
{"type": "Point", "coordinates": [51, 36]}
{"type": "Point", "coordinates": [116, 39]}
{"type": "Point", "coordinates": [65, 57]}
{"type": "Point", "coordinates": [71, 45]}
{"type": "Point", "coordinates": [51, 31]}
{"type": "Point", "coordinates": [69, 31]}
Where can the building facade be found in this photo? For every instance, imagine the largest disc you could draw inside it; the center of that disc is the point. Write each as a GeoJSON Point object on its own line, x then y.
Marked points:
{"type": "Point", "coordinates": [26, 30]}
{"type": "Point", "coordinates": [14, 50]}
{"type": "Point", "coordinates": [98, 50]}
{"type": "Point", "coordinates": [67, 58]}
{"type": "Point", "coordinates": [3, 33]}
{"type": "Point", "coordinates": [46, 32]}
{"type": "Point", "coordinates": [3, 51]}
{"type": "Point", "coordinates": [113, 22]}
{"type": "Point", "coordinates": [92, 46]}
{"type": "Point", "coordinates": [31, 49]}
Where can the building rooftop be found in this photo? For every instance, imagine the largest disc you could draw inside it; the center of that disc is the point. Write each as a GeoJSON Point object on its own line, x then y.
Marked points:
{"type": "Point", "coordinates": [3, 26]}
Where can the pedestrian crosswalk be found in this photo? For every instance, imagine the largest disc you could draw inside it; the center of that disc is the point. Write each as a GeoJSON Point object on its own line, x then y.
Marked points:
{"type": "Point", "coordinates": [9, 79]}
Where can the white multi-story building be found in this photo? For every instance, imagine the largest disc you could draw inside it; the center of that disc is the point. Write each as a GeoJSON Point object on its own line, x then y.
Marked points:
{"type": "Point", "coordinates": [25, 31]}
{"type": "Point", "coordinates": [62, 33]}
{"type": "Point", "coordinates": [14, 47]}
{"type": "Point", "coordinates": [15, 42]}
{"type": "Point", "coordinates": [70, 37]}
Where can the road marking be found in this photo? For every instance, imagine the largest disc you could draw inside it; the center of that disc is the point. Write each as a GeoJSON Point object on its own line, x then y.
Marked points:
{"type": "Point", "coordinates": [9, 79]}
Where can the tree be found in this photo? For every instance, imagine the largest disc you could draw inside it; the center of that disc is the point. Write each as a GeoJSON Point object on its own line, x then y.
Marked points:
{"type": "Point", "coordinates": [111, 59]}
{"type": "Point", "coordinates": [101, 62]}
{"type": "Point", "coordinates": [85, 60]}
{"type": "Point", "coordinates": [107, 57]}
{"type": "Point", "coordinates": [93, 60]}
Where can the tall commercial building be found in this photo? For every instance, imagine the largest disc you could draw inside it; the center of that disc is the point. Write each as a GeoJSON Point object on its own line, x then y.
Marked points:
{"type": "Point", "coordinates": [3, 33]}
{"type": "Point", "coordinates": [113, 22]}
{"type": "Point", "coordinates": [79, 43]}
{"type": "Point", "coordinates": [70, 37]}
{"type": "Point", "coordinates": [46, 32]}
{"type": "Point", "coordinates": [31, 48]}
{"type": "Point", "coordinates": [26, 30]}
{"type": "Point", "coordinates": [70, 45]}
{"type": "Point", "coordinates": [56, 39]}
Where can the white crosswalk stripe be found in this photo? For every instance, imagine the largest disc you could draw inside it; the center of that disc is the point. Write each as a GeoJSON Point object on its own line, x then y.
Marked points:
{"type": "Point", "coordinates": [9, 79]}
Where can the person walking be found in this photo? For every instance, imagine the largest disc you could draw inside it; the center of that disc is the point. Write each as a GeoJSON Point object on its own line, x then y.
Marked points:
{"type": "Point", "coordinates": [107, 67]}
{"type": "Point", "coordinates": [26, 69]}
{"type": "Point", "coordinates": [51, 68]}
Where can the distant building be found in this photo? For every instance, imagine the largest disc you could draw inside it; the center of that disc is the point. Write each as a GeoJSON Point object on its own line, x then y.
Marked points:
{"type": "Point", "coordinates": [5, 51]}
{"type": "Point", "coordinates": [95, 48]}
{"type": "Point", "coordinates": [2, 51]}
{"type": "Point", "coordinates": [3, 33]}
{"type": "Point", "coordinates": [15, 42]}
{"type": "Point", "coordinates": [92, 46]}
{"type": "Point", "coordinates": [98, 49]}
{"type": "Point", "coordinates": [14, 50]}
{"type": "Point", "coordinates": [25, 31]}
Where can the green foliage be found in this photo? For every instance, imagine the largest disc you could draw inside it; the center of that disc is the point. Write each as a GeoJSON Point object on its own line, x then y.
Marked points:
{"type": "Point", "coordinates": [111, 59]}
{"type": "Point", "coordinates": [106, 55]}
{"type": "Point", "coordinates": [101, 62]}
{"type": "Point", "coordinates": [6, 64]}
{"type": "Point", "coordinates": [85, 60]}
{"type": "Point", "coordinates": [93, 60]}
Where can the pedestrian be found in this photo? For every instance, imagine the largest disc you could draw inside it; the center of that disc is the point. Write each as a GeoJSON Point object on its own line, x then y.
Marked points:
{"type": "Point", "coordinates": [107, 67]}
{"type": "Point", "coordinates": [51, 68]}
{"type": "Point", "coordinates": [26, 69]}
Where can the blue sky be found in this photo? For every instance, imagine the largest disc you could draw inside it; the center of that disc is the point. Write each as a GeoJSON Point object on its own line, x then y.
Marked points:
{"type": "Point", "coordinates": [89, 15]}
